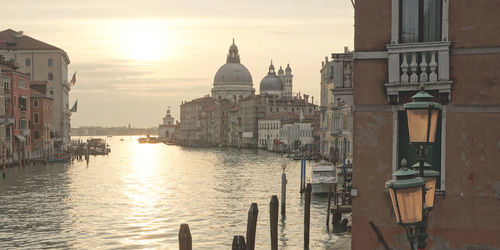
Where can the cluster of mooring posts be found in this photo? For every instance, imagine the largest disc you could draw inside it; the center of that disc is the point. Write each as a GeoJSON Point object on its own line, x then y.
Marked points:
{"type": "Point", "coordinates": [247, 242]}
{"type": "Point", "coordinates": [342, 201]}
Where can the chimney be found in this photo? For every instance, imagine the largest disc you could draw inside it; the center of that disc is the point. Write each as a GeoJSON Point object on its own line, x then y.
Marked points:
{"type": "Point", "coordinates": [19, 34]}
{"type": "Point", "coordinates": [346, 49]}
{"type": "Point", "coordinates": [312, 100]}
{"type": "Point", "coordinates": [326, 59]}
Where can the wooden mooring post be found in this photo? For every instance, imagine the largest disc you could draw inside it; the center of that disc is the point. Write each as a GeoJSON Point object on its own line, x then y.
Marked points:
{"type": "Point", "coordinates": [283, 192]}
{"type": "Point", "coordinates": [252, 226]}
{"type": "Point", "coordinates": [239, 242]}
{"type": "Point", "coordinates": [301, 175]}
{"type": "Point", "coordinates": [273, 217]}
{"type": "Point", "coordinates": [185, 242]}
{"type": "Point", "coordinates": [328, 209]}
{"type": "Point", "coordinates": [307, 215]}
{"type": "Point", "coordinates": [3, 159]}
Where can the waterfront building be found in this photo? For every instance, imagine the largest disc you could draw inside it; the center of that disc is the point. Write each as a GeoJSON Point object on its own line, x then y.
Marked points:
{"type": "Point", "coordinates": [269, 129]}
{"type": "Point", "coordinates": [336, 114]}
{"type": "Point", "coordinates": [42, 62]}
{"type": "Point", "coordinates": [234, 127]}
{"type": "Point", "coordinates": [167, 130]}
{"type": "Point", "coordinates": [280, 84]}
{"type": "Point", "coordinates": [252, 108]}
{"type": "Point", "coordinates": [232, 81]}
{"type": "Point", "coordinates": [192, 131]}
{"type": "Point", "coordinates": [41, 116]}
{"type": "Point", "coordinates": [6, 119]}
{"type": "Point", "coordinates": [297, 135]}
{"type": "Point", "coordinates": [326, 98]}
{"type": "Point", "coordinates": [18, 108]}
{"type": "Point", "coordinates": [453, 49]}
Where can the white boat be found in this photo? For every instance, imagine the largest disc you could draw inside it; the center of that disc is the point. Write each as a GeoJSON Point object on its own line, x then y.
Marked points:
{"type": "Point", "coordinates": [323, 174]}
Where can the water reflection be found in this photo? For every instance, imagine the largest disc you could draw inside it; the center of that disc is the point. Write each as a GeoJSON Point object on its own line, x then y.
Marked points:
{"type": "Point", "coordinates": [139, 195]}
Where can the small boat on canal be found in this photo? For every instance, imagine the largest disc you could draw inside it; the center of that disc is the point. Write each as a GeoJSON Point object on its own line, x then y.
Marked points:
{"type": "Point", "coordinates": [323, 175]}
{"type": "Point", "coordinates": [148, 139]}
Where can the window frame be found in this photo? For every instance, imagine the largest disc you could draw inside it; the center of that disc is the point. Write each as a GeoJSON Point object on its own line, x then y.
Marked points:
{"type": "Point", "coordinates": [395, 21]}
{"type": "Point", "coordinates": [36, 118]}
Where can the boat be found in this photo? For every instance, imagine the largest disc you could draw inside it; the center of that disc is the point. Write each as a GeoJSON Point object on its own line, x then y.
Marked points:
{"type": "Point", "coordinates": [60, 159]}
{"type": "Point", "coordinates": [323, 175]}
{"type": "Point", "coordinates": [148, 139]}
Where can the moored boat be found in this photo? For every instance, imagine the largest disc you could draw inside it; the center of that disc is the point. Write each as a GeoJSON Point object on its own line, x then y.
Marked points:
{"type": "Point", "coordinates": [323, 175]}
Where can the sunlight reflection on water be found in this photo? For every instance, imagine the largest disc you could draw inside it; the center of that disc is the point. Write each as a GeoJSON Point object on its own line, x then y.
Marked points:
{"type": "Point", "coordinates": [139, 195]}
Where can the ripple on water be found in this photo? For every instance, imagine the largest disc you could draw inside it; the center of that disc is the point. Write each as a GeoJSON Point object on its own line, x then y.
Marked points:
{"type": "Point", "coordinates": [139, 195]}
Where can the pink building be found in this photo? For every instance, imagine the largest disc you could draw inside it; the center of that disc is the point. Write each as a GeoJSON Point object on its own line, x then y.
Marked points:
{"type": "Point", "coordinates": [18, 108]}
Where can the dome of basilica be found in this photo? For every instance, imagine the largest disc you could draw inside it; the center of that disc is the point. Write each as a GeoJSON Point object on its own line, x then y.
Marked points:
{"type": "Point", "coordinates": [233, 73]}
{"type": "Point", "coordinates": [271, 82]}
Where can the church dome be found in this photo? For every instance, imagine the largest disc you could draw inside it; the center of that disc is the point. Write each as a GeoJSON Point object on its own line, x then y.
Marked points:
{"type": "Point", "coordinates": [271, 82]}
{"type": "Point", "coordinates": [233, 73]}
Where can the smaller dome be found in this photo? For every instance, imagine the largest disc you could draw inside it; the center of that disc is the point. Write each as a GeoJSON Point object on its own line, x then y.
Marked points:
{"type": "Point", "coordinates": [288, 69]}
{"type": "Point", "coordinates": [270, 83]}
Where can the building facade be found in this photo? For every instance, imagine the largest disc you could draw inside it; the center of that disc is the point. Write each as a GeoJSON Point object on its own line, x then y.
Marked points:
{"type": "Point", "coordinates": [43, 62]}
{"type": "Point", "coordinates": [18, 108]}
{"type": "Point", "coordinates": [41, 118]}
{"type": "Point", "coordinates": [167, 130]}
{"type": "Point", "coordinates": [451, 48]}
{"type": "Point", "coordinates": [192, 131]}
{"type": "Point", "coordinates": [269, 130]}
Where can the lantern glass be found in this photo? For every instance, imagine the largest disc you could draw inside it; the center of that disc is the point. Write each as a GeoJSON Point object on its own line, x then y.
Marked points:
{"type": "Point", "coordinates": [418, 125]}
{"type": "Point", "coordinates": [430, 186]}
{"type": "Point", "coordinates": [410, 204]}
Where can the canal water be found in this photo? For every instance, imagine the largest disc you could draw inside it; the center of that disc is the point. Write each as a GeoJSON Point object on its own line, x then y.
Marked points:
{"type": "Point", "coordinates": [138, 196]}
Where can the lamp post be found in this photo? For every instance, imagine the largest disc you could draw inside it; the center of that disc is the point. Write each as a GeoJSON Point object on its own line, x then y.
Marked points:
{"type": "Point", "coordinates": [413, 197]}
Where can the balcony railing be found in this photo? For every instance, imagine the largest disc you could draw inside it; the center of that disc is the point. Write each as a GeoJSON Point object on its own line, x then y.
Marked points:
{"type": "Point", "coordinates": [412, 64]}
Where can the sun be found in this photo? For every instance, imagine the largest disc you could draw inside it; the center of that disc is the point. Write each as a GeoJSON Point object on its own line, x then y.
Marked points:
{"type": "Point", "coordinates": [143, 40]}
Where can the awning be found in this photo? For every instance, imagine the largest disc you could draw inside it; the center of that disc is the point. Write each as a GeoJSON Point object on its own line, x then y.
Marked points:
{"type": "Point", "coordinates": [20, 138]}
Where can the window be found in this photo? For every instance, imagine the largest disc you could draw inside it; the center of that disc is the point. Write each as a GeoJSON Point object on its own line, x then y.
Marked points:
{"type": "Point", "coordinates": [6, 87]}
{"type": "Point", "coordinates": [50, 62]}
{"type": "Point", "coordinates": [23, 124]}
{"type": "Point", "coordinates": [420, 21]}
{"type": "Point", "coordinates": [410, 153]}
{"type": "Point", "coordinates": [35, 103]}
{"type": "Point", "coordinates": [22, 103]}
{"type": "Point", "coordinates": [331, 72]}
{"type": "Point", "coordinates": [35, 118]}
{"type": "Point", "coordinates": [36, 134]}
{"type": "Point", "coordinates": [51, 76]}
{"type": "Point", "coordinates": [28, 62]}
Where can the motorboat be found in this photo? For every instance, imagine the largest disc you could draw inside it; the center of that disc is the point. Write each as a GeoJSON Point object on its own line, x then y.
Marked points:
{"type": "Point", "coordinates": [322, 176]}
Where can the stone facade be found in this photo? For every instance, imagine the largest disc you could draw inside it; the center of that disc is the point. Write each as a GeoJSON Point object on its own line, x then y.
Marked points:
{"type": "Point", "coordinates": [41, 117]}
{"type": "Point", "coordinates": [463, 62]}
{"type": "Point", "coordinates": [336, 116]}
{"type": "Point", "coordinates": [43, 62]}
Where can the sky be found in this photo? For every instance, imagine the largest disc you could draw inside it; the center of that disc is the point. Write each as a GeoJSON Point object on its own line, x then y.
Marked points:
{"type": "Point", "coordinates": [134, 59]}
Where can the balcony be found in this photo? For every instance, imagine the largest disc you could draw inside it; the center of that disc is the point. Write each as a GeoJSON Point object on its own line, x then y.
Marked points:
{"type": "Point", "coordinates": [413, 64]}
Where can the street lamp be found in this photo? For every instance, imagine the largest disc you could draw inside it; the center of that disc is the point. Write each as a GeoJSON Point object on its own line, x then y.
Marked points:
{"type": "Point", "coordinates": [406, 195]}
{"type": "Point", "coordinates": [413, 197]}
